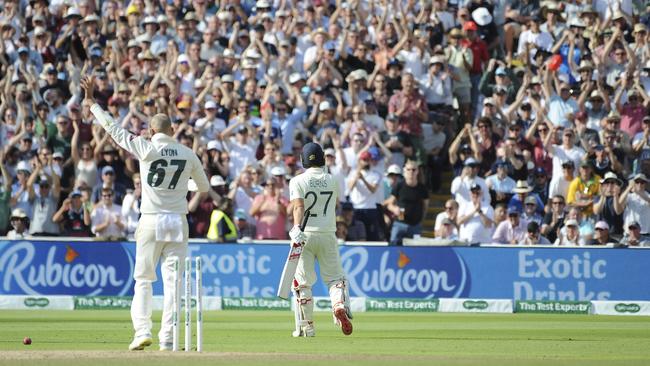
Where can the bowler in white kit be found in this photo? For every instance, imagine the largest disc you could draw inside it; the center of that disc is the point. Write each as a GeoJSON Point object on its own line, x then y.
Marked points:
{"type": "Point", "coordinates": [315, 191]}
{"type": "Point", "coordinates": [166, 166]}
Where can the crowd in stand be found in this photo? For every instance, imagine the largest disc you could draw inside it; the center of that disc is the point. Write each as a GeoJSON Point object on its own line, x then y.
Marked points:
{"type": "Point", "coordinates": [540, 110]}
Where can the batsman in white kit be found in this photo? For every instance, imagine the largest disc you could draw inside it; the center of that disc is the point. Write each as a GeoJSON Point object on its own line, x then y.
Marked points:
{"type": "Point", "coordinates": [314, 192]}
{"type": "Point", "coordinates": [166, 167]}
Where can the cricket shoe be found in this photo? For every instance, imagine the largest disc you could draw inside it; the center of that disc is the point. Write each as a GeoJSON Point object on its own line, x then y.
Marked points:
{"type": "Point", "coordinates": [166, 346]}
{"type": "Point", "coordinates": [140, 342]}
{"type": "Point", "coordinates": [342, 317]}
{"type": "Point", "coordinates": [306, 331]}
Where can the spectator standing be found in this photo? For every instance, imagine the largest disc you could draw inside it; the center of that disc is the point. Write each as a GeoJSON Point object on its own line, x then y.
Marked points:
{"type": "Point", "coordinates": [108, 181]}
{"type": "Point", "coordinates": [45, 206]}
{"type": "Point", "coordinates": [583, 189]}
{"type": "Point", "coordinates": [5, 196]}
{"type": "Point", "coordinates": [106, 217]}
{"type": "Point", "coordinates": [222, 229]}
{"type": "Point", "coordinates": [636, 201]}
{"type": "Point", "coordinates": [554, 219]}
{"type": "Point", "coordinates": [476, 219]}
{"type": "Point", "coordinates": [131, 206]}
{"type": "Point", "coordinates": [409, 201]}
{"type": "Point", "coordinates": [362, 185]}
{"type": "Point", "coordinates": [269, 209]}
{"type": "Point", "coordinates": [608, 207]}
{"type": "Point", "coordinates": [460, 186]}
{"type": "Point", "coordinates": [74, 216]}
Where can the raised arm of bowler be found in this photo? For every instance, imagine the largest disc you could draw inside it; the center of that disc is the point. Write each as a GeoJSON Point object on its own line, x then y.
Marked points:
{"type": "Point", "coordinates": [166, 167]}
{"type": "Point", "coordinates": [316, 190]}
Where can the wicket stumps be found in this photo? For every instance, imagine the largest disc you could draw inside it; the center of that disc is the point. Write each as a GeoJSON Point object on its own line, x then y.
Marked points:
{"type": "Point", "coordinates": [188, 304]}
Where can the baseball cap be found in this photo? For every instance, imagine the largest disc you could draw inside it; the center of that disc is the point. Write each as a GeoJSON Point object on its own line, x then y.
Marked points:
{"type": "Point", "coordinates": [347, 206]}
{"type": "Point", "coordinates": [365, 155]}
{"type": "Point", "coordinates": [475, 187]}
{"type": "Point", "coordinates": [295, 77]}
{"type": "Point", "coordinates": [23, 166]}
{"type": "Point", "coordinates": [513, 210]}
{"type": "Point", "coordinates": [325, 105]}
{"type": "Point", "coordinates": [568, 163]}
{"type": "Point", "coordinates": [394, 169]}
{"type": "Point", "coordinates": [501, 71]}
{"type": "Point", "coordinates": [602, 225]}
{"type": "Point", "coordinates": [470, 162]}
{"type": "Point", "coordinates": [75, 193]}
{"type": "Point", "coordinates": [633, 224]}
{"type": "Point", "coordinates": [488, 101]}
{"type": "Point", "coordinates": [532, 227]}
{"type": "Point", "coordinates": [23, 50]}
{"type": "Point", "coordinates": [57, 155]}
{"type": "Point", "coordinates": [330, 152]}
{"type": "Point", "coordinates": [213, 145]}
{"type": "Point", "coordinates": [210, 104]}
{"type": "Point", "coordinates": [227, 78]}
{"type": "Point", "coordinates": [530, 199]}
{"type": "Point", "coordinates": [18, 213]}
{"type": "Point", "coordinates": [217, 180]}
{"type": "Point", "coordinates": [642, 177]}
{"type": "Point", "coordinates": [572, 222]}
{"type": "Point", "coordinates": [108, 169]}
{"type": "Point", "coordinates": [611, 176]}
{"type": "Point", "coordinates": [278, 171]}
{"type": "Point", "coordinates": [470, 26]}
{"type": "Point", "coordinates": [540, 171]}
{"type": "Point", "coordinates": [182, 58]}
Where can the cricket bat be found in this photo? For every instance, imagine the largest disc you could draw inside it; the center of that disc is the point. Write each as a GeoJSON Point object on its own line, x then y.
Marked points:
{"type": "Point", "coordinates": [289, 271]}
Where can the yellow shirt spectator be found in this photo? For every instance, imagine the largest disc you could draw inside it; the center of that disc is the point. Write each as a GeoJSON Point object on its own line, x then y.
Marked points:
{"type": "Point", "coordinates": [582, 193]}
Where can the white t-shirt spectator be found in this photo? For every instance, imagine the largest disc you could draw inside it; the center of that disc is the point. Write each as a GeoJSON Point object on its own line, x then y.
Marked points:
{"type": "Point", "coordinates": [637, 209]}
{"type": "Point", "coordinates": [460, 188]}
{"type": "Point", "coordinates": [439, 219]}
{"type": "Point", "coordinates": [240, 157]}
{"type": "Point", "coordinates": [210, 128]}
{"type": "Point", "coordinates": [100, 214]}
{"type": "Point", "coordinates": [360, 195]}
{"type": "Point", "coordinates": [558, 109]}
{"type": "Point", "coordinates": [560, 155]}
{"type": "Point", "coordinates": [473, 230]}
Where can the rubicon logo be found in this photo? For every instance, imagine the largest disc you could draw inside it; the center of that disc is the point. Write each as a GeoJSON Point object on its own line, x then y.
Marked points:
{"type": "Point", "coordinates": [385, 272]}
{"type": "Point", "coordinates": [48, 268]}
{"type": "Point", "coordinates": [627, 308]}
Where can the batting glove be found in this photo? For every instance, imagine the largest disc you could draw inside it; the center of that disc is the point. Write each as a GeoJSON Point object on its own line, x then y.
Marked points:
{"type": "Point", "coordinates": [297, 235]}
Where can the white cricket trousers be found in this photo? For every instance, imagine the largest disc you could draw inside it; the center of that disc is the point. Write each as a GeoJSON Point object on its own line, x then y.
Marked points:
{"type": "Point", "coordinates": [321, 246]}
{"type": "Point", "coordinates": [148, 252]}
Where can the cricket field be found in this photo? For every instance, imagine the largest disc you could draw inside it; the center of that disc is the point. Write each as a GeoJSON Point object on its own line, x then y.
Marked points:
{"type": "Point", "coordinates": [91, 337]}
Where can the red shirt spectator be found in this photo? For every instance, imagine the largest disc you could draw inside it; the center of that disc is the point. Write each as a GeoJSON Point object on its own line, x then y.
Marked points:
{"type": "Point", "coordinates": [477, 45]}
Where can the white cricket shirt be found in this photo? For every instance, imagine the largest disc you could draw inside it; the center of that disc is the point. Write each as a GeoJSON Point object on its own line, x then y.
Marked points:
{"type": "Point", "coordinates": [165, 167]}
{"type": "Point", "coordinates": [320, 192]}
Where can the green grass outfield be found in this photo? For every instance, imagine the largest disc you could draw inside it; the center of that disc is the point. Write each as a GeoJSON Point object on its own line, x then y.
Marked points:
{"type": "Point", "coordinates": [400, 339]}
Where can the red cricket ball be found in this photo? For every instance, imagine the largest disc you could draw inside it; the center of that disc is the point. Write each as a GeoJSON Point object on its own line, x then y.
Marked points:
{"type": "Point", "coordinates": [27, 341]}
